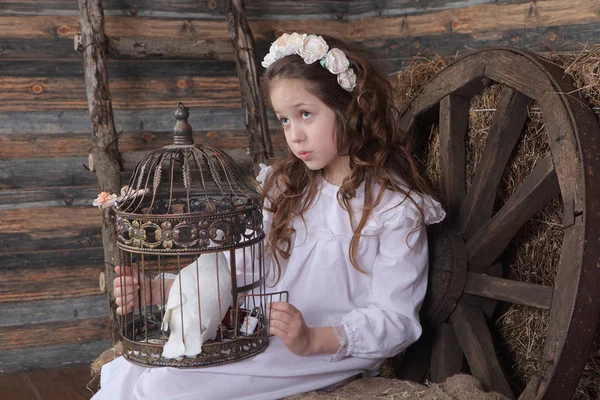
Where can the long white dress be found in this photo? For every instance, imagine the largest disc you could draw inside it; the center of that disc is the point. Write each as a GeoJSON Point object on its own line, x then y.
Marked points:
{"type": "Point", "coordinates": [375, 312]}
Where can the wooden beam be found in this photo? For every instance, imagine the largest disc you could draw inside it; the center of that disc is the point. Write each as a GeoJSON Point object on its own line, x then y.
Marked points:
{"type": "Point", "coordinates": [142, 47]}
{"type": "Point", "coordinates": [54, 333]}
{"type": "Point", "coordinates": [134, 120]}
{"type": "Point", "coordinates": [21, 360]}
{"type": "Point", "coordinates": [252, 100]}
{"type": "Point", "coordinates": [105, 152]}
{"type": "Point", "coordinates": [45, 311]}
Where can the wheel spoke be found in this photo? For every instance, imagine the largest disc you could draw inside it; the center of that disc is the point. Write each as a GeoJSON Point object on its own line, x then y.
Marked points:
{"type": "Point", "coordinates": [416, 359]}
{"type": "Point", "coordinates": [491, 239]}
{"type": "Point", "coordinates": [524, 293]}
{"type": "Point", "coordinates": [505, 130]}
{"type": "Point", "coordinates": [476, 341]}
{"type": "Point", "coordinates": [446, 355]}
{"type": "Point", "coordinates": [454, 120]}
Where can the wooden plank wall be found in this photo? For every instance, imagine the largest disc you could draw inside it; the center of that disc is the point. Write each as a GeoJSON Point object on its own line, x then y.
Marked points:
{"type": "Point", "coordinates": [51, 310]}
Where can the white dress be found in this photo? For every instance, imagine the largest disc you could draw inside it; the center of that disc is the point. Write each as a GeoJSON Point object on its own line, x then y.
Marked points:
{"type": "Point", "coordinates": [376, 312]}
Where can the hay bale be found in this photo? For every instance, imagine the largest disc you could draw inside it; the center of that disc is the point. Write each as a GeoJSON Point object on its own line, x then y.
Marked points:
{"type": "Point", "coordinates": [533, 254]}
{"type": "Point", "coordinates": [458, 387]}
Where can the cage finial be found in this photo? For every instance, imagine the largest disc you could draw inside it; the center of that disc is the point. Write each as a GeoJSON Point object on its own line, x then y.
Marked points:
{"type": "Point", "coordinates": [182, 132]}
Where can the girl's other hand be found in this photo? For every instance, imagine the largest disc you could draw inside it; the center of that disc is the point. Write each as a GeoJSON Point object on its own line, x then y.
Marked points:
{"type": "Point", "coordinates": [287, 323]}
{"type": "Point", "coordinates": [126, 290]}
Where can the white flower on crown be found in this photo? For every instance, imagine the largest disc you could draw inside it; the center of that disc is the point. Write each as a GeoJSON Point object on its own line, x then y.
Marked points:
{"type": "Point", "coordinates": [313, 48]}
{"type": "Point", "coordinates": [347, 79]}
{"type": "Point", "coordinates": [287, 44]}
{"type": "Point", "coordinates": [336, 61]}
{"type": "Point", "coordinates": [269, 59]}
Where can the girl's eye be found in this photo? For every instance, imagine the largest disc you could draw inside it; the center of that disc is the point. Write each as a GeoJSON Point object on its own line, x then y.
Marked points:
{"type": "Point", "coordinates": [284, 121]}
{"type": "Point", "coordinates": [306, 114]}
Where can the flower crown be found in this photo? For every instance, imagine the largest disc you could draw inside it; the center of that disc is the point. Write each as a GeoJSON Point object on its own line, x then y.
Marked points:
{"type": "Point", "coordinates": [313, 48]}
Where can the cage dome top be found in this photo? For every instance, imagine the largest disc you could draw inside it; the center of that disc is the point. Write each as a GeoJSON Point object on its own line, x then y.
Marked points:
{"type": "Point", "coordinates": [187, 198]}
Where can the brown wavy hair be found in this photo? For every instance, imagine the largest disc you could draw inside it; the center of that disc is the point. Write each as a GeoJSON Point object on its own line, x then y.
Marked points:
{"type": "Point", "coordinates": [368, 132]}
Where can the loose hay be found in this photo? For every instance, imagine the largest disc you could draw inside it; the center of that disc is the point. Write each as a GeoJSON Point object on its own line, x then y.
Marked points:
{"type": "Point", "coordinates": [533, 254]}
{"type": "Point", "coordinates": [457, 387]}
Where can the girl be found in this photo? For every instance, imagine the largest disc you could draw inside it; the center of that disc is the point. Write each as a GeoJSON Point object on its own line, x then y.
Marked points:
{"type": "Point", "coordinates": [344, 213]}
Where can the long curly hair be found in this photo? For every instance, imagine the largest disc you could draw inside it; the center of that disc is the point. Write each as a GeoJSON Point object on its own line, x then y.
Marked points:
{"type": "Point", "coordinates": [368, 132]}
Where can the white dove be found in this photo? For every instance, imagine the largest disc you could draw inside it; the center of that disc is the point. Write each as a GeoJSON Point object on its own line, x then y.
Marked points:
{"type": "Point", "coordinates": [186, 337]}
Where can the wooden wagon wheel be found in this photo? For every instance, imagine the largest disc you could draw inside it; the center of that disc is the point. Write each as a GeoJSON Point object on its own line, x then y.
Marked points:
{"type": "Point", "coordinates": [467, 247]}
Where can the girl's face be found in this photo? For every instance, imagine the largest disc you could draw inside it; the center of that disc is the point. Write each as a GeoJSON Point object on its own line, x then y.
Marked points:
{"type": "Point", "coordinates": [309, 127]}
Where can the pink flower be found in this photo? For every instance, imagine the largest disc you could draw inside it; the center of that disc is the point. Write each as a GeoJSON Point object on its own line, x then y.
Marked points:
{"type": "Point", "coordinates": [104, 200]}
{"type": "Point", "coordinates": [336, 61]}
{"type": "Point", "coordinates": [313, 48]}
{"type": "Point", "coordinates": [347, 79]}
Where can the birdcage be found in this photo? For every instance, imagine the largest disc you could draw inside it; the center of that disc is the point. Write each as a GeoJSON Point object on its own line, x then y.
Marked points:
{"type": "Point", "coordinates": [190, 232]}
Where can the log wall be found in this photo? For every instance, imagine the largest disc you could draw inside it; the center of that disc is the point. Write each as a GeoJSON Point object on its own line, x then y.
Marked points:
{"type": "Point", "coordinates": [51, 310]}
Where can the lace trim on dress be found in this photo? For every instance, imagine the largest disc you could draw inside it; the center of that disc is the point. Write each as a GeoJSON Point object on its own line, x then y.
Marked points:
{"type": "Point", "coordinates": [433, 213]}
{"type": "Point", "coordinates": [342, 352]}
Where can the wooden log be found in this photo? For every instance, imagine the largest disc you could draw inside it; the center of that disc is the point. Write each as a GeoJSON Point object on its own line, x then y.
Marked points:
{"type": "Point", "coordinates": [363, 9]}
{"type": "Point", "coordinates": [64, 171]}
{"type": "Point", "coordinates": [68, 259]}
{"type": "Point", "coordinates": [46, 197]}
{"type": "Point", "coordinates": [142, 47]}
{"type": "Point", "coordinates": [46, 311]}
{"type": "Point", "coordinates": [188, 9]}
{"type": "Point", "coordinates": [43, 94]}
{"type": "Point", "coordinates": [20, 360]}
{"type": "Point", "coordinates": [79, 144]}
{"type": "Point", "coordinates": [65, 239]}
{"type": "Point", "coordinates": [56, 333]}
{"type": "Point", "coordinates": [53, 284]}
{"type": "Point", "coordinates": [122, 69]}
{"type": "Point", "coordinates": [138, 120]}
{"type": "Point", "coordinates": [572, 37]}
{"type": "Point", "coordinates": [49, 219]}
{"type": "Point", "coordinates": [252, 100]}
{"type": "Point", "coordinates": [105, 152]}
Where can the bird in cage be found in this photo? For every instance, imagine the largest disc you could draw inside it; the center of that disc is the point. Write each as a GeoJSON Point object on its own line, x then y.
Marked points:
{"type": "Point", "coordinates": [198, 301]}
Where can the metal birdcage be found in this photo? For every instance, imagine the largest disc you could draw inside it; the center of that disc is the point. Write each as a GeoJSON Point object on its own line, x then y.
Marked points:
{"type": "Point", "coordinates": [187, 221]}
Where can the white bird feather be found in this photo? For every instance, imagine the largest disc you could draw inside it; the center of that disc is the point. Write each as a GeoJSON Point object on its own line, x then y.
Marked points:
{"type": "Point", "coordinates": [186, 335]}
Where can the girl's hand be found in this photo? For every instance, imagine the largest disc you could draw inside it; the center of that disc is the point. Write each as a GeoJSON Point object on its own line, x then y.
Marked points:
{"type": "Point", "coordinates": [127, 288]}
{"type": "Point", "coordinates": [287, 323]}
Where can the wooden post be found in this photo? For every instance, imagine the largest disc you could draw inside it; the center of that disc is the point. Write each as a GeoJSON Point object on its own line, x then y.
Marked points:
{"type": "Point", "coordinates": [252, 100]}
{"type": "Point", "coordinates": [105, 153]}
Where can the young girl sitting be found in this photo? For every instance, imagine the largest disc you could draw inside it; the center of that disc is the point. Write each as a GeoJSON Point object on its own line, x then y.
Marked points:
{"type": "Point", "coordinates": [345, 214]}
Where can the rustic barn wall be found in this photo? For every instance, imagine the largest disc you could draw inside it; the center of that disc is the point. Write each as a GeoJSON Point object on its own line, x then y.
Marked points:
{"type": "Point", "coordinates": [51, 310]}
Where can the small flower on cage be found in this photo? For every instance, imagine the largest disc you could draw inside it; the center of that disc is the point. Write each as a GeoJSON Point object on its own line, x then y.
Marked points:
{"type": "Point", "coordinates": [165, 234]}
{"type": "Point", "coordinates": [104, 200]}
{"type": "Point", "coordinates": [138, 233]}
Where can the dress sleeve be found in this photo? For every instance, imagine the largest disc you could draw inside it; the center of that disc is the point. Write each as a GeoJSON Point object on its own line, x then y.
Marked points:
{"type": "Point", "coordinates": [390, 321]}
